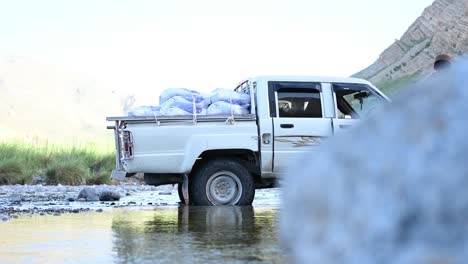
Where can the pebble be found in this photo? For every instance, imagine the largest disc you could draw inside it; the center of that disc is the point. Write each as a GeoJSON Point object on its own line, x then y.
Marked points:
{"type": "Point", "coordinates": [99, 210]}
{"type": "Point", "coordinates": [5, 218]}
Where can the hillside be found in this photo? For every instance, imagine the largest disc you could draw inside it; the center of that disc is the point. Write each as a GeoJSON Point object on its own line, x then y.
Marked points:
{"type": "Point", "coordinates": [45, 102]}
{"type": "Point", "coordinates": [441, 29]}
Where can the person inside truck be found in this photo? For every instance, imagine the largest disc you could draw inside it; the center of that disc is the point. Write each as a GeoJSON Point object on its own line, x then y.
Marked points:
{"type": "Point", "coordinates": [300, 107]}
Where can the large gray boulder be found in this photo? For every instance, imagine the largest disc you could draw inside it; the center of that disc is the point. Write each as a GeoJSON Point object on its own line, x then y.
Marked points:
{"type": "Point", "coordinates": [393, 190]}
{"type": "Point", "coordinates": [107, 195]}
{"type": "Point", "coordinates": [88, 194]}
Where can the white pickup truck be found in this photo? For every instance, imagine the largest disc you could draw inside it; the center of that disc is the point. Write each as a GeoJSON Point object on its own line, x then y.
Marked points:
{"type": "Point", "coordinates": [221, 160]}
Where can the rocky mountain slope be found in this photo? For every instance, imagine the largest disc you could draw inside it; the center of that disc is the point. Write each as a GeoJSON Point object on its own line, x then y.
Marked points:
{"type": "Point", "coordinates": [45, 102]}
{"type": "Point", "coordinates": [441, 29]}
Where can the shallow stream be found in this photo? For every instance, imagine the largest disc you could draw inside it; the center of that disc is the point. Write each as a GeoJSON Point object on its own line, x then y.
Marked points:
{"type": "Point", "coordinates": [163, 234]}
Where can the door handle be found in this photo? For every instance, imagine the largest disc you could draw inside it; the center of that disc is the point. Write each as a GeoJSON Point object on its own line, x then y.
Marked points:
{"type": "Point", "coordinates": [286, 125]}
{"type": "Point", "coordinates": [344, 126]}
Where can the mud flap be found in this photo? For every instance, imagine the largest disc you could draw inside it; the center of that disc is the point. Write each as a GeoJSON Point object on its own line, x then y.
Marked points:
{"type": "Point", "coordinates": [185, 185]}
{"type": "Point", "coordinates": [118, 175]}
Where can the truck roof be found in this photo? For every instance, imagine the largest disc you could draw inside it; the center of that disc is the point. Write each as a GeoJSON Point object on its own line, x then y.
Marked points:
{"type": "Point", "coordinates": [325, 79]}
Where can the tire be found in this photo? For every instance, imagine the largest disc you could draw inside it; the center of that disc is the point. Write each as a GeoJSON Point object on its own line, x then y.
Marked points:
{"type": "Point", "coordinates": [222, 182]}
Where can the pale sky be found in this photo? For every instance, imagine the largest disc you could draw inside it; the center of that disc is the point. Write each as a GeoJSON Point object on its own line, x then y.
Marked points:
{"type": "Point", "coordinates": [147, 45]}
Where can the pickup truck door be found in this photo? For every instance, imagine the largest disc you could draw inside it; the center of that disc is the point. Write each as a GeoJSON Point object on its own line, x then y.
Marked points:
{"type": "Point", "coordinates": [352, 102]}
{"type": "Point", "coordinates": [298, 120]}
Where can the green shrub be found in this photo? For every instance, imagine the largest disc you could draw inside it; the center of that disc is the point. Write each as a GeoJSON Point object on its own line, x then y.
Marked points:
{"type": "Point", "coordinates": [101, 169]}
{"type": "Point", "coordinates": [12, 172]}
{"type": "Point", "coordinates": [67, 171]}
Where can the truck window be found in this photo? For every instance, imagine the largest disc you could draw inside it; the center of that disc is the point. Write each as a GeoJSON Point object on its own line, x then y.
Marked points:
{"type": "Point", "coordinates": [301, 103]}
{"type": "Point", "coordinates": [354, 101]}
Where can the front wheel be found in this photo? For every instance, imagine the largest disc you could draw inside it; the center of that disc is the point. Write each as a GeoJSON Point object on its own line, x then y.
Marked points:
{"type": "Point", "coordinates": [222, 182]}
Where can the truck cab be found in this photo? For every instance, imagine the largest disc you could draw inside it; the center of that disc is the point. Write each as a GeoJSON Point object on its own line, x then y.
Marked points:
{"type": "Point", "coordinates": [222, 159]}
{"type": "Point", "coordinates": [297, 113]}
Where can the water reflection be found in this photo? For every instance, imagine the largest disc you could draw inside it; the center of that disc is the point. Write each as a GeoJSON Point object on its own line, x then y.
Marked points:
{"type": "Point", "coordinates": [198, 234]}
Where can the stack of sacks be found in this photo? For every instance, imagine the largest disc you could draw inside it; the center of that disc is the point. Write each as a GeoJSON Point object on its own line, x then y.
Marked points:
{"type": "Point", "coordinates": [224, 101]}
{"type": "Point", "coordinates": [179, 104]}
{"type": "Point", "coordinates": [180, 101]}
{"type": "Point", "coordinates": [145, 111]}
{"type": "Point", "coordinates": [186, 94]}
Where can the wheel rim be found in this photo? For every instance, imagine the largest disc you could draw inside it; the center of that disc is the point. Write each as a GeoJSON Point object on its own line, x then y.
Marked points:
{"type": "Point", "coordinates": [223, 188]}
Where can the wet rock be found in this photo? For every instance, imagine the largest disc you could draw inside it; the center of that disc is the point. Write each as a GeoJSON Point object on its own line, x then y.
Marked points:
{"type": "Point", "coordinates": [392, 190]}
{"type": "Point", "coordinates": [70, 199]}
{"type": "Point", "coordinates": [15, 199]}
{"type": "Point", "coordinates": [38, 180]}
{"type": "Point", "coordinates": [89, 194]}
{"type": "Point", "coordinates": [4, 218]}
{"type": "Point", "coordinates": [99, 210]}
{"type": "Point", "coordinates": [75, 211]}
{"type": "Point", "coordinates": [109, 196]}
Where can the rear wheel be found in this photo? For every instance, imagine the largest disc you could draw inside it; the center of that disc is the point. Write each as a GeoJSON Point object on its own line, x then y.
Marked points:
{"type": "Point", "coordinates": [222, 182]}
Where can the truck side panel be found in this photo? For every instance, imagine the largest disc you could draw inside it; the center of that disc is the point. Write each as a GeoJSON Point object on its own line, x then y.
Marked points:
{"type": "Point", "coordinates": [174, 148]}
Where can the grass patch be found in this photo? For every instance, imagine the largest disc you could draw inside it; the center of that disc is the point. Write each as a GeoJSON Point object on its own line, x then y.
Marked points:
{"type": "Point", "coordinates": [11, 172]}
{"type": "Point", "coordinates": [69, 165]}
{"type": "Point", "coordinates": [393, 86]}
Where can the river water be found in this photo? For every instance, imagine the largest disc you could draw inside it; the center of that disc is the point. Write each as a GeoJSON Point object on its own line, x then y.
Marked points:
{"type": "Point", "coordinates": [162, 234]}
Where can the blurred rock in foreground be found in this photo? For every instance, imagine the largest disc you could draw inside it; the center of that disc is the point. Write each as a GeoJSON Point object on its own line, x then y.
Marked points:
{"type": "Point", "coordinates": [393, 190]}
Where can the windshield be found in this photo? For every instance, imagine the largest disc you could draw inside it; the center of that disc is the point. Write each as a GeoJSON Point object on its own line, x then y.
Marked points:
{"type": "Point", "coordinates": [354, 101]}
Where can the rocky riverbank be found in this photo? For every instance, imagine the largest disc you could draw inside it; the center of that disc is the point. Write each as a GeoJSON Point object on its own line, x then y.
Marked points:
{"type": "Point", "coordinates": [57, 200]}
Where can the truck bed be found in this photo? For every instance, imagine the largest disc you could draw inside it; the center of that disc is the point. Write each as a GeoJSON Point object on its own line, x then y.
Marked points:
{"type": "Point", "coordinates": [172, 144]}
